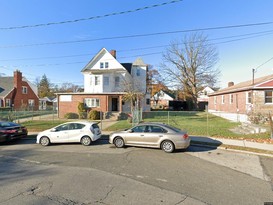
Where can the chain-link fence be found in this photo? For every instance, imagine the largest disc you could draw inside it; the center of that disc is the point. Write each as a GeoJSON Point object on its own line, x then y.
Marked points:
{"type": "Point", "coordinates": [20, 116]}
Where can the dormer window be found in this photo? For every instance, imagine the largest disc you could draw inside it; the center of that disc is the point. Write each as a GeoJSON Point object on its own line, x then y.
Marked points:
{"type": "Point", "coordinates": [106, 64]}
{"type": "Point", "coordinates": [101, 65]}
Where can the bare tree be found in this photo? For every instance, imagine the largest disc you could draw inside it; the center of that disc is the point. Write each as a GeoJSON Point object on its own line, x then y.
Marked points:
{"type": "Point", "coordinates": [189, 64]}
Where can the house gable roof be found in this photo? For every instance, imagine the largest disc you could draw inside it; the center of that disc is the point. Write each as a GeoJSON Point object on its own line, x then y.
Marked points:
{"type": "Point", "coordinates": [103, 55]}
{"type": "Point", "coordinates": [162, 94]}
{"type": "Point", "coordinates": [6, 85]}
{"type": "Point", "coordinates": [259, 83]}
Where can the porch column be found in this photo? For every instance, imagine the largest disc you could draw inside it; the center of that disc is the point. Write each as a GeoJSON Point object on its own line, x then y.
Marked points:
{"type": "Point", "coordinates": [107, 103]}
{"type": "Point", "coordinates": [120, 103]}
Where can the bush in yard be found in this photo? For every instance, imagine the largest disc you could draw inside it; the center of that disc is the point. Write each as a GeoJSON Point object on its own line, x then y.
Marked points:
{"type": "Point", "coordinates": [81, 110]}
{"type": "Point", "coordinates": [94, 115]}
{"type": "Point", "coordinates": [71, 115]}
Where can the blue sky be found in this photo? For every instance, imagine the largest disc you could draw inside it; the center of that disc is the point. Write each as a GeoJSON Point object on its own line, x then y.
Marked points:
{"type": "Point", "coordinates": [240, 49]}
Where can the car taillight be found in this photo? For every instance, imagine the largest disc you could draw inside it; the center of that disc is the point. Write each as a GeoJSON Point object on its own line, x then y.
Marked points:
{"type": "Point", "coordinates": [8, 131]}
{"type": "Point", "coordinates": [185, 136]}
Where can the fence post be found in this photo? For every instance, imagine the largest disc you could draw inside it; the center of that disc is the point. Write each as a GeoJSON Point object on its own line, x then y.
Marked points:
{"type": "Point", "coordinates": [207, 120]}
{"type": "Point", "coordinates": [168, 117]}
{"type": "Point", "coordinates": [101, 120]}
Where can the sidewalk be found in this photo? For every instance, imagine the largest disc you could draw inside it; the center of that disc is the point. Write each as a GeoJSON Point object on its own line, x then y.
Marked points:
{"type": "Point", "coordinates": [240, 143]}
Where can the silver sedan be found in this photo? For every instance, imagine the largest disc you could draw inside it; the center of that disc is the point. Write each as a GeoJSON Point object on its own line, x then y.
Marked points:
{"type": "Point", "coordinates": [155, 135]}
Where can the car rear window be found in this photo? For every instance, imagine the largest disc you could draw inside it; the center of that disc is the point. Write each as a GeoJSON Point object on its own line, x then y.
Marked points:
{"type": "Point", "coordinates": [94, 126]}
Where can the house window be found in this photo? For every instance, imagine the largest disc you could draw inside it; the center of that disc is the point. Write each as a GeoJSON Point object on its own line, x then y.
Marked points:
{"type": "Point", "coordinates": [106, 64]}
{"type": "Point", "coordinates": [230, 98]}
{"type": "Point", "coordinates": [117, 81]}
{"type": "Point", "coordinates": [249, 97]}
{"type": "Point", "coordinates": [97, 80]}
{"type": "Point", "coordinates": [138, 72]}
{"type": "Point", "coordinates": [8, 103]}
{"type": "Point", "coordinates": [268, 96]}
{"type": "Point", "coordinates": [106, 81]}
{"type": "Point", "coordinates": [24, 89]}
{"type": "Point", "coordinates": [92, 102]}
{"type": "Point", "coordinates": [223, 99]}
{"type": "Point", "coordinates": [30, 103]}
{"type": "Point", "coordinates": [147, 101]}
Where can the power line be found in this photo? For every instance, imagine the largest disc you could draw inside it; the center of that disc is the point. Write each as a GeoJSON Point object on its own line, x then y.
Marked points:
{"type": "Point", "coordinates": [255, 69]}
{"type": "Point", "coordinates": [251, 35]}
{"type": "Point", "coordinates": [140, 35]}
{"type": "Point", "coordinates": [92, 17]}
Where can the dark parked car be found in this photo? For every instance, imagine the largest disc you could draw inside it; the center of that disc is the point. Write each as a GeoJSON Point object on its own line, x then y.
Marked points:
{"type": "Point", "coordinates": [10, 131]}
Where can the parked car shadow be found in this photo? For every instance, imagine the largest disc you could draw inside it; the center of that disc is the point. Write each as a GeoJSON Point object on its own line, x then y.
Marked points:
{"type": "Point", "coordinates": [203, 144]}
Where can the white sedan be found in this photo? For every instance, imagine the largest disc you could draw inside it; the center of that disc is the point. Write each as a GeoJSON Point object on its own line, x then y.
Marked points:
{"type": "Point", "coordinates": [82, 131]}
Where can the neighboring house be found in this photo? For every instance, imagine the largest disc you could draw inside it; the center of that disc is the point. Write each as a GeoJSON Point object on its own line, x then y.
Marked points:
{"type": "Point", "coordinates": [18, 93]}
{"type": "Point", "coordinates": [106, 81]}
{"type": "Point", "coordinates": [250, 96]}
{"type": "Point", "coordinates": [203, 96]}
{"type": "Point", "coordinates": [47, 103]}
{"type": "Point", "coordinates": [161, 100]}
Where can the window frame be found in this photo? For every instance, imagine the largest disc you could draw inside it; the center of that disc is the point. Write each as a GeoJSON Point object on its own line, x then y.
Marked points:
{"type": "Point", "coordinates": [268, 97]}
{"type": "Point", "coordinates": [104, 81]}
{"type": "Point", "coordinates": [97, 80]}
{"type": "Point", "coordinates": [231, 98]}
{"type": "Point", "coordinates": [7, 102]}
{"type": "Point", "coordinates": [117, 81]}
{"type": "Point", "coordinates": [24, 90]}
{"type": "Point", "coordinates": [248, 97]}
{"type": "Point", "coordinates": [92, 102]}
{"type": "Point", "coordinates": [223, 99]}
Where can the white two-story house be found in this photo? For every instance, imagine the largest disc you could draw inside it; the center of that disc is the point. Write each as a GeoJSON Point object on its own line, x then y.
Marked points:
{"type": "Point", "coordinates": [107, 82]}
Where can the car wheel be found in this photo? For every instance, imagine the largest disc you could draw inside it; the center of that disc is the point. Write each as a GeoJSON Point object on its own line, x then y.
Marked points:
{"type": "Point", "coordinates": [119, 142]}
{"type": "Point", "coordinates": [86, 141]}
{"type": "Point", "coordinates": [45, 141]}
{"type": "Point", "coordinates": [167, 146]}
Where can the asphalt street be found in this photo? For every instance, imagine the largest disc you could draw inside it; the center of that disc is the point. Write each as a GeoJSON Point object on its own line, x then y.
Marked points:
{"type": "Point", "coordinates": [103, 174]}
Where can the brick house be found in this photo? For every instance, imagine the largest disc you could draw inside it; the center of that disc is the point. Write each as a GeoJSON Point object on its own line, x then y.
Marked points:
{"type": "Point", "coordinates": [106, 81]}
{"type": "Point", "coordinates": [242, 98]}
{"type": "Point", "coordinates": [18, 93]}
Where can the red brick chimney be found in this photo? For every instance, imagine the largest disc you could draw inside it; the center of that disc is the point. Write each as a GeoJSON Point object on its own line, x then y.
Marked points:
{"type": "Point", "coordinates": [114, 53]}
{"type": "Point", "coordinates": [17, 79]}
{"type": "Point", "coordinates": [230, 84]}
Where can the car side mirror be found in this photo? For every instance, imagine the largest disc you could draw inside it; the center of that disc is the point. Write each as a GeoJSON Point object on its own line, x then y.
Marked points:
{"type": "Point", "coordinates": [130, 131]}
{"type": "Point", "coordinates": [54, 130]}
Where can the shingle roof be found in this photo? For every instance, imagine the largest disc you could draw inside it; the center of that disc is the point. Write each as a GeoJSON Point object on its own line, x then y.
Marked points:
{"type": "Point", "coordinates": [6, 85]}
{"type": "Point", "coordinates": [243, 86]}
{"type": "Point", "coordinates": [127, 66]}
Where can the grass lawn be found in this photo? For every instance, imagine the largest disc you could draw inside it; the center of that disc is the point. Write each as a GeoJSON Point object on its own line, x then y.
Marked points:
{"type": "Point", "coordinates": [195, 123]}
{"type": "Point", "coordinates": [41, 125]}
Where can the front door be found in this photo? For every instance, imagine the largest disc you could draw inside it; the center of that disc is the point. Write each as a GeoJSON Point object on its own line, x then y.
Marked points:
{"type": "Point", "coordinates": [114, 104]}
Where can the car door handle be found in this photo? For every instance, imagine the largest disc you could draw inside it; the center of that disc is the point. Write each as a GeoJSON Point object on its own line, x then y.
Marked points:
{"type": "Point", "coordinates": [160, 135]}
{"type": "Point", "coordinates": [142, 135]}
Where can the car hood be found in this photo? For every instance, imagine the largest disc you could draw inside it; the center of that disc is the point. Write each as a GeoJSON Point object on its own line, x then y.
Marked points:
{"type": "Point", "coordinates": [44, 132]}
